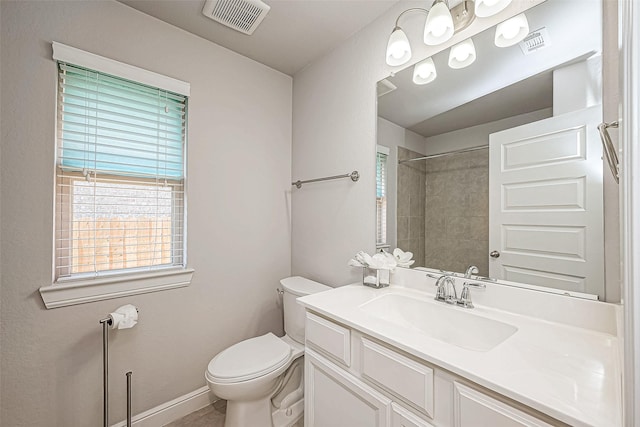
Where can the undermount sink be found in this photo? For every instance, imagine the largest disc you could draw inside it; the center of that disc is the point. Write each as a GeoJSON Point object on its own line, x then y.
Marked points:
{"type": "Point", "coordinates": [449, 324]}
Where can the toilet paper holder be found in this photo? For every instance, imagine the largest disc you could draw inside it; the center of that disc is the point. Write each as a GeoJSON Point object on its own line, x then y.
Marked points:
{"type": "Point", "coordinates": [106, 323]}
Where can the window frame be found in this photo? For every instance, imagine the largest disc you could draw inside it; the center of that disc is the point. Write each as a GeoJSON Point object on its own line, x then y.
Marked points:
{"type": "Point", "coordinates": [64, 217]}
{"type": "Point", "coordinates": [80, 289]}
{"type": "Point", "coordinates": [381, 149]}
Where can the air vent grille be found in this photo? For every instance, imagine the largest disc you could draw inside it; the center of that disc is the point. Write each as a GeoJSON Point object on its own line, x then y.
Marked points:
{"type": "Point", "coordinates": [385, 86]}
{"type": "Point", "coordinates": [535, 40]}
{"type": "Point", "coordinates": [241, 15]}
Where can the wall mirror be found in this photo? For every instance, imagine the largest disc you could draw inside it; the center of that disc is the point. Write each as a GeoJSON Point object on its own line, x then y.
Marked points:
{"type": "Point", "coordinates": [499, 164]}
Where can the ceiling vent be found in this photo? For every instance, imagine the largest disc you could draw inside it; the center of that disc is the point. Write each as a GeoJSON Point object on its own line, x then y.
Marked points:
{"type": "Point", "coordinates": [385, 86]}
{"type": "Point", "coordinates": [535, 40]}
{"type": "Point", "coordinates": [241, 15]}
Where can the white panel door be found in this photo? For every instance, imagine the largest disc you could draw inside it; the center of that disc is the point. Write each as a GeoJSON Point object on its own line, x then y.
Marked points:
{"type": "Point", "coordinates": [334, 399]}
{"type": "Point", "coordinates": [545, 203]}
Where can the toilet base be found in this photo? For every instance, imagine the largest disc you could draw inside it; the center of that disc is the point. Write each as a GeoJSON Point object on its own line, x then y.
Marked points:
{"type": "Point", "coordinates": [248, 413]}
{"type": "Point", "coordinates": [292, 416]}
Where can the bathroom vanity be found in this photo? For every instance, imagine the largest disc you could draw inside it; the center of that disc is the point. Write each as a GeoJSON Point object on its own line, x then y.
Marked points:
{"type": "Point", "coordinates": [521, 357]}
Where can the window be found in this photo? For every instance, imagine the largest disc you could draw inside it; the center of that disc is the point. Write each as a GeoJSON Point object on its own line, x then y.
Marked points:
{"type": "Point", "coordinates": [120, 226]}
{"type": "Point", "coordinates": [381, 195]}
{"type": "Point", "coordinates": [120, 175]}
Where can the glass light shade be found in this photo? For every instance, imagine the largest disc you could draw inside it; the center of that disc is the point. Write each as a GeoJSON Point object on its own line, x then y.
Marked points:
{"type": "Point", "coordinates": [486, 8]}
{"type": "Point", "coordinates": [512, 31]}
{"type": "Point", "coordinates": [424, 72]}
{"type": "Point", "coordinates": [398, 48]}
{"type": "Point", "coordinates": [462, 54]}
{"type": "Point", "coordinates": [439, 26]}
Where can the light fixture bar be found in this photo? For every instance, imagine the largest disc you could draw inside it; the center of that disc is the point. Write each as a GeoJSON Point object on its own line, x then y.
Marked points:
{"type": "Point", "coordinates": [463, 15]}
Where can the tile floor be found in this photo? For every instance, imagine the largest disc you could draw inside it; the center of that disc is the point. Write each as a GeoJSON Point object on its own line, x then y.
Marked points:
{"type": "Point", "coordinates": [209, 416]}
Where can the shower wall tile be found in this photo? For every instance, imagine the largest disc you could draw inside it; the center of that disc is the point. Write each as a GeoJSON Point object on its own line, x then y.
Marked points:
{"type": "Point", "coordinates": [403, 228]}
{"type": "Point", "coordinates": [457, 212]}
{"type": "Point", "coordinates": [411, 205]}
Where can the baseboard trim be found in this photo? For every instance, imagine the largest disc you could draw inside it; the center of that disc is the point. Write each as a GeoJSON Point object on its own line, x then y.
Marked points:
{"type": "Point", "coordinates": [172, 410]}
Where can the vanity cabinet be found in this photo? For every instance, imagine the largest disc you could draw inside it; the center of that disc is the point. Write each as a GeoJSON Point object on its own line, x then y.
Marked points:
{"type": "Point", "coordinates": [334, 398]}
{"type": "Point", "coordinates": [473, 408]}
{"type": "Point", "coordinates": [354, 380]}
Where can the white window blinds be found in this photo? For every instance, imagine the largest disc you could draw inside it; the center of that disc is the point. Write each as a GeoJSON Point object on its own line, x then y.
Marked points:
{"type": "Point", "coordinates": [381, 198]}
{"type": "Point", "coordinates": [120, 175]}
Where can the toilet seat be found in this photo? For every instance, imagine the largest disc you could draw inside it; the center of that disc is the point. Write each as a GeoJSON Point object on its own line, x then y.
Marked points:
{"type": "Point", "coordinates": [249, 359]}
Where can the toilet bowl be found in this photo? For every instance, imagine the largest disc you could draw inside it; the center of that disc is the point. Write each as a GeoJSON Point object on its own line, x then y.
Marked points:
{"type": "Point", "coordinates": [261, 378]}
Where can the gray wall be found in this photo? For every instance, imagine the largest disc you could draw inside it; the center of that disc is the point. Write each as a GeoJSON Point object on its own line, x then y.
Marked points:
{"type": "Point", "coordinates": [238, 214]}
{"type": "Point", "coordinates": [334, 132]}
{"type": "Point", "coordinates": [411, 205]}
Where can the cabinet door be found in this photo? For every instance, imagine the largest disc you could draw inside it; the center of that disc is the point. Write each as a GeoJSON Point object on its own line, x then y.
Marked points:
{"type": "Point", "coordinates": [475, 409]}
{"type": "Point", "coordinates": [333, 398]}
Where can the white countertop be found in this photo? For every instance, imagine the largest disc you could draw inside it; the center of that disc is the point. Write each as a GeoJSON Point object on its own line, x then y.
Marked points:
{"type": "Point", "coordinates": [567, 372]}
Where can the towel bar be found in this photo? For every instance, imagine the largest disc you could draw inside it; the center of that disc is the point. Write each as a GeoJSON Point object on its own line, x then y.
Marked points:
{"type": "Point", "coordinates": [353, 175]}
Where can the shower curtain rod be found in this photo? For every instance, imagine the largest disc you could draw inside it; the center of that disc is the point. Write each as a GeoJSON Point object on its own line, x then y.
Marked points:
{"type": "Point", "coordinates": [450, 153]}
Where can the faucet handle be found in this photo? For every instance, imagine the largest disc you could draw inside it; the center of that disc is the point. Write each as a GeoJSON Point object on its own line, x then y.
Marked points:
{"type": "Point", "coordinates": [465, 295]}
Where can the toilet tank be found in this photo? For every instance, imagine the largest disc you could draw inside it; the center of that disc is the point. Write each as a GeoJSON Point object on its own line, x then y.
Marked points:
{"type": "Point", "coordinates": [294, 314]}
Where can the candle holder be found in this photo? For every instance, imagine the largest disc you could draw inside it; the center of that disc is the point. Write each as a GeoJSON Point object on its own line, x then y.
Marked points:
{"type": "Point", "coordinates": [375, 277]}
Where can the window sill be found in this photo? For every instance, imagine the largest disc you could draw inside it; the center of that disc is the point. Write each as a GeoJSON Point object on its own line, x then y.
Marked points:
{"type": "Point", "coordinates": [102, 288]}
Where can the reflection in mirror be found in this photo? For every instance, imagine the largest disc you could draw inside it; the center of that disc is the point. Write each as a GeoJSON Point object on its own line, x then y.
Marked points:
{"type": "Point", "coordinates": [502, 157]}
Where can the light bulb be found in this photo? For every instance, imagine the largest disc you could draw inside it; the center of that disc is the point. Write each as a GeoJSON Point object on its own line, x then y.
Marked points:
{"type": "Point", "coordinates": [397, 53]}
{"type": "Point", "coordinates": [398, 48]}
{"type": "Point", "coordinates": [424, 72]}
{"type": "Point", "coordinates": [484, 8]}
{"type": "Point", "coordinates": [512, 31]}
{"type": "Point", "coordinates": [462, 54]}
{"type": "Point", "coordinates": [439, 26]}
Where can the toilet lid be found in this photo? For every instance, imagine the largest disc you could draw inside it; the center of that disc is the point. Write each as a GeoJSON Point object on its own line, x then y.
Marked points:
{"type": "Point", "coordinates": [249, 359]}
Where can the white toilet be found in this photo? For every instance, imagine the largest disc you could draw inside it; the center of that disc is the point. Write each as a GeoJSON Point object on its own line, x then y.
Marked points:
{"type": "Point", "coordinates": [262, 378]}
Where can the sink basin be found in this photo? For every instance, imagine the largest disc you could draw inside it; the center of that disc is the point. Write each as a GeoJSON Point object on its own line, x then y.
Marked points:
{"type": "Point", "coordinates": [450, 324]}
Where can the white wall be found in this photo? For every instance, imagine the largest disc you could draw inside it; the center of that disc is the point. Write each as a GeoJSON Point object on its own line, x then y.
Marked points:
{"type": "Point", "coordinates": [334, 132]}
{"type": "Point", "coordinates": [577, 86]}
{"type": "Point", "coordinates": [239, 177]}
{"type": "Point", "coordinates": [475, 135]}
{"type": "Point", "coordinates": [393, 136]}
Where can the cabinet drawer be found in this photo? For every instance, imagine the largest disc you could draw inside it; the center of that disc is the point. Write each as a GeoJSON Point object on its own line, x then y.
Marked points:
{"type": "Point", "coordinates": [400, 417]}
{"type": "Point", "coordinates": [405, 378]}
{"type": "Point", "coordinates": [473, 408]}
{"type": "Point", "coordinates": [328, 338]}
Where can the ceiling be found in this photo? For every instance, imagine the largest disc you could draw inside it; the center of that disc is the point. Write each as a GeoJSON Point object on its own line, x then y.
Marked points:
{"type": "Point", "coordinates": [502, 82]}
{"type": "Point", "coordinates": [292, 35]}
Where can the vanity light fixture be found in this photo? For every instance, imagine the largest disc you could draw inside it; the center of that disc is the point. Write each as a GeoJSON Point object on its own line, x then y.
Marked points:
{"type": "Point", "coordinates": [440, 26]}
{"type": "Point", "coordinates": [512, 31]}
{"type": "Point", "coordinates": [424, 72]}
{"type": "Point", "coordinates": [398, 48]}
{"type": "Point", "coordinates": [486, 8]}
{"type": "Point", "coordinates": [462, 54]}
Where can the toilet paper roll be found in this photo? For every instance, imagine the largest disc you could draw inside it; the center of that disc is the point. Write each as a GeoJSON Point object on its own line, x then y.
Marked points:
{"type": "Point", "coordinates": [124, 317]}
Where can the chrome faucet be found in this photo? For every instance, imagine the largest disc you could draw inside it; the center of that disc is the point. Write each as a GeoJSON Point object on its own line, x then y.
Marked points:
{"type": "Point", "coordinates": [472, 269]}
{"type": "Point", "coordinates": [446, 290]}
